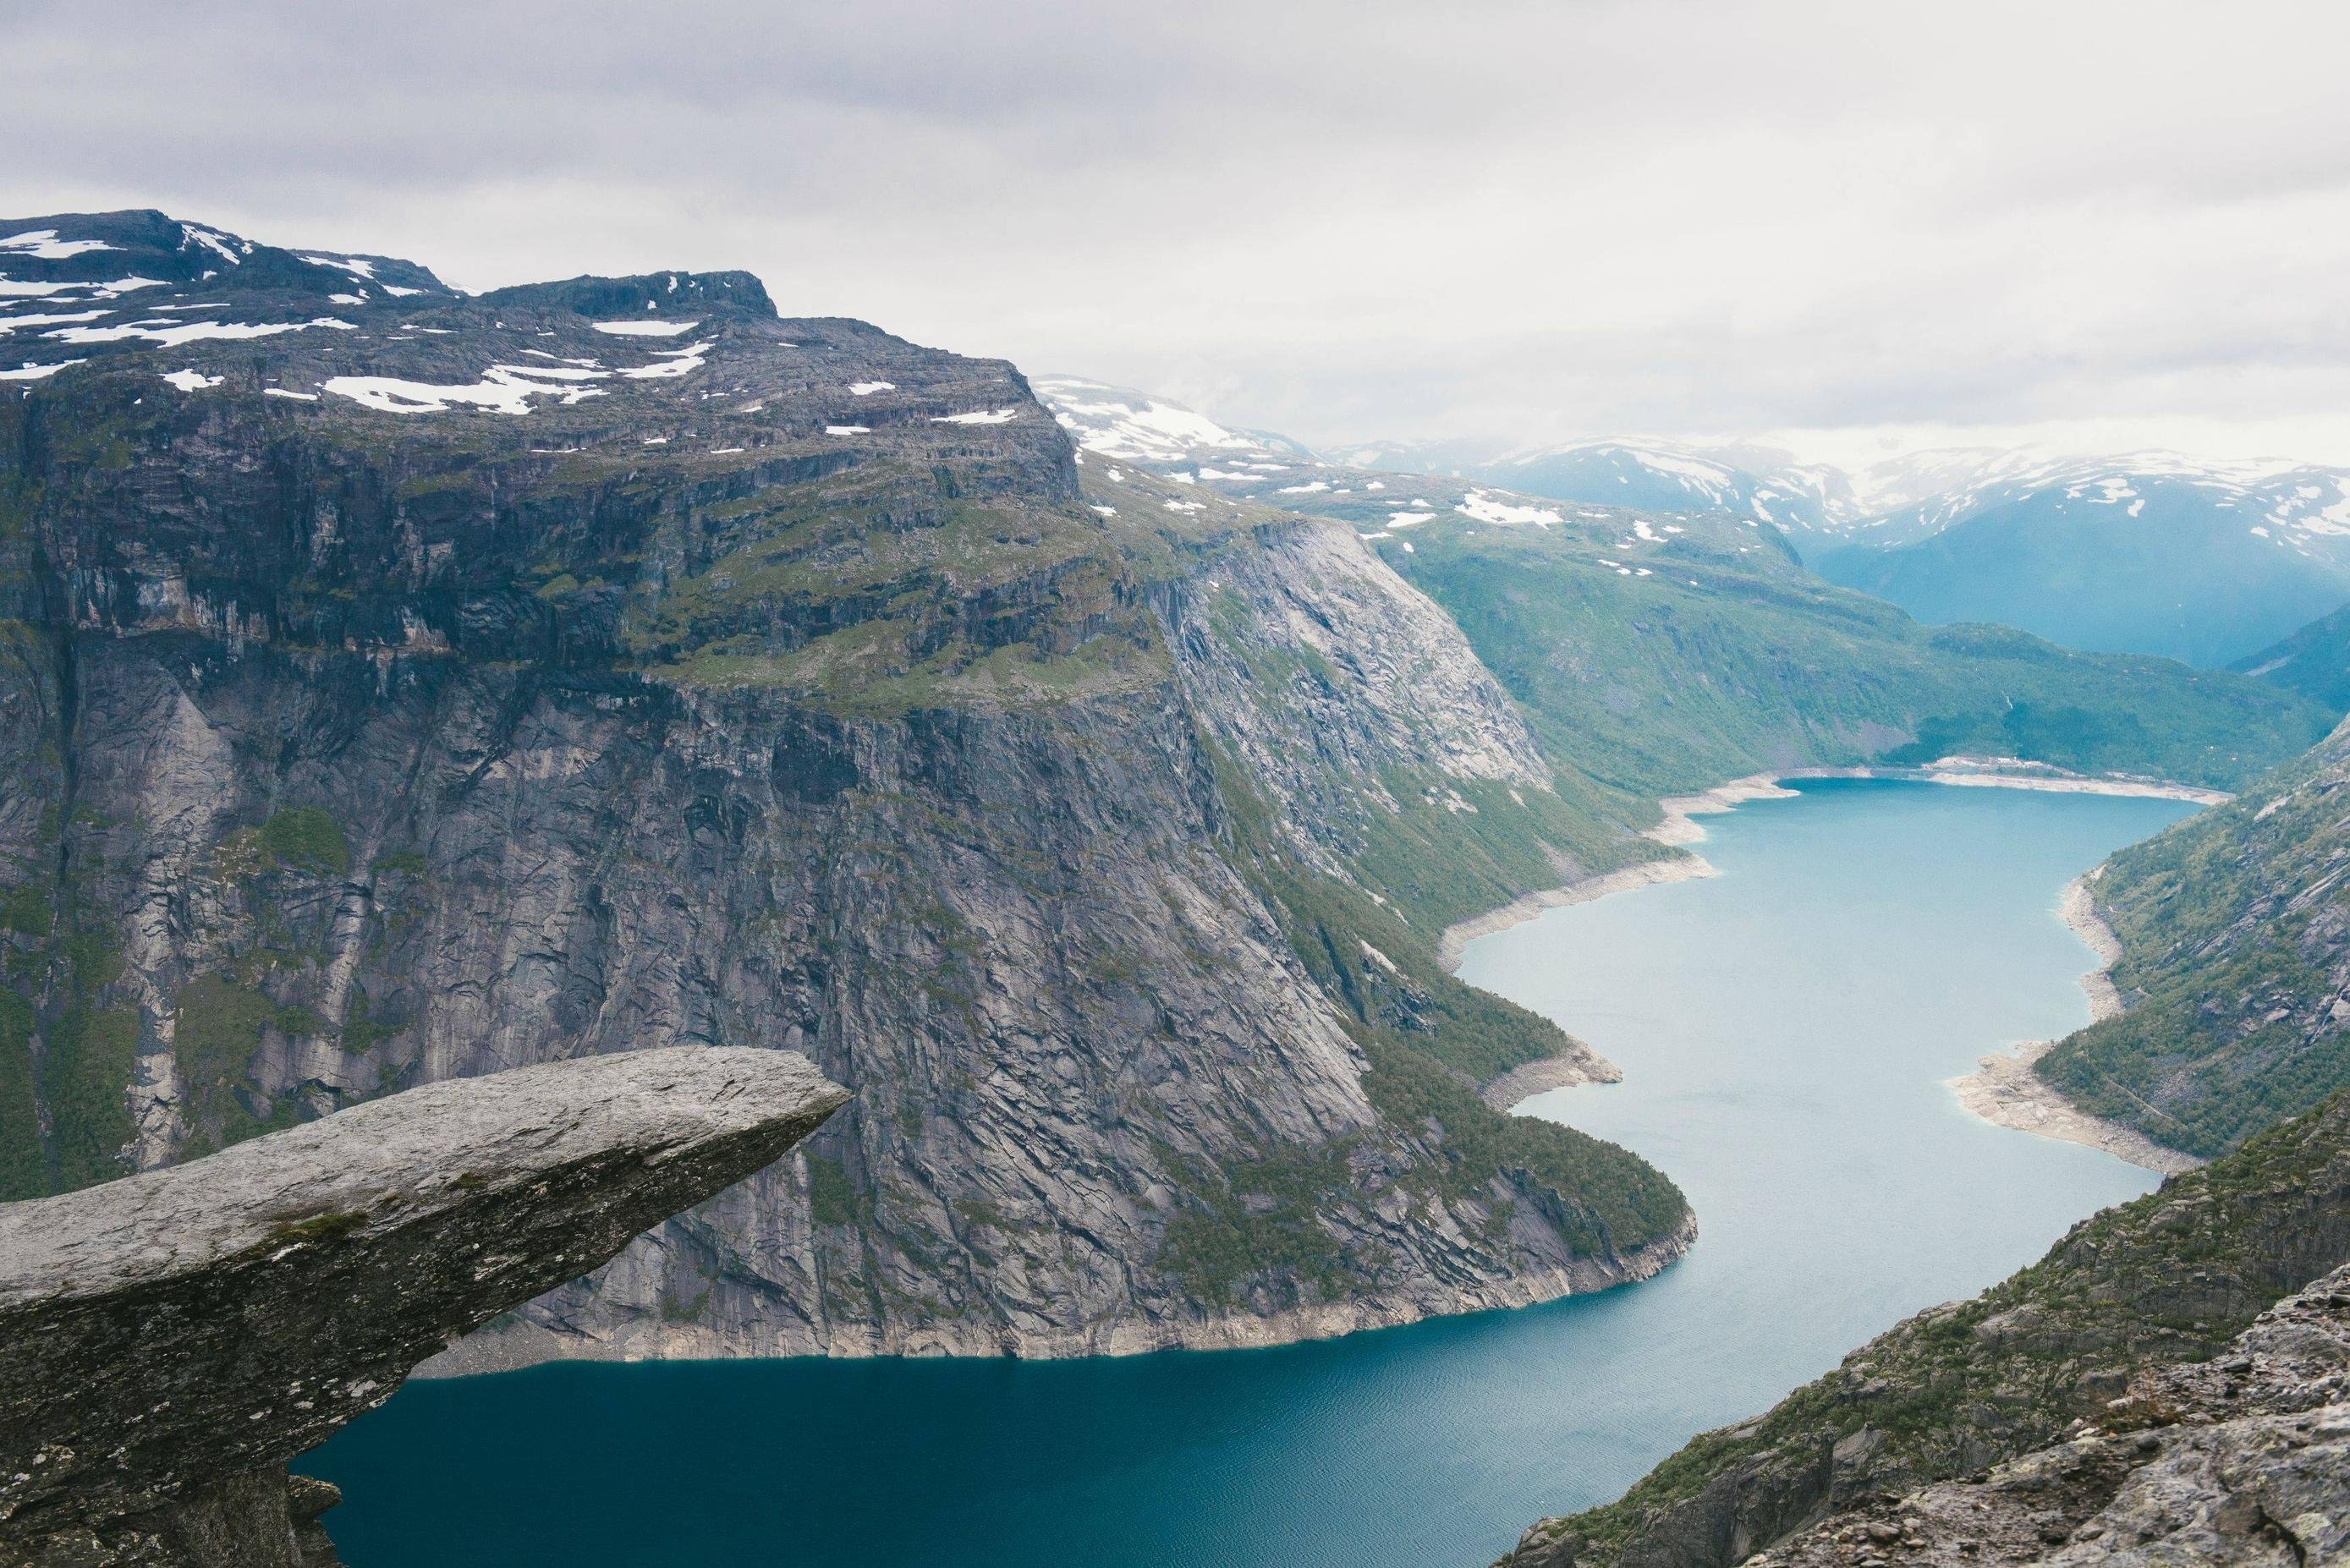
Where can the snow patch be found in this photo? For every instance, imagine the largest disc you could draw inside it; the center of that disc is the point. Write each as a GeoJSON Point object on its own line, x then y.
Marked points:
{"type": "Point", "coordinates": [170, 334]}
{"type": "Point", "coordinates": [503, 389]}
{"type": "Point", "coordinates": [673, 364]}
{"type": "Point", "coordinates": [192, 235]}
{"type": "Point", "coordinates": [43, 244]}
{"type": "Point", "coordinates": [47, 318]}
{"type": "Point", "coordinates": [1485, 509]}
{"type": "Point", "coordinates": [351, 264]}
{"type": "Point", "coordinates": [645, 328]}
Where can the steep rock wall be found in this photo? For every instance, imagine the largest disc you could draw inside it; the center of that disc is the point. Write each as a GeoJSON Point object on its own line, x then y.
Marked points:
{"type": "Point", "coordinates": [779, 687]}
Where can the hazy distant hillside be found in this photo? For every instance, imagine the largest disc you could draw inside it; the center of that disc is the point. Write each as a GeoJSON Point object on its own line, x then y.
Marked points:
{"type": "Point", "coordinates": [1657, 652]}
{"type": "Point", "coordinates": [1647, 478]}
{"type": "Point", "coordinates": [2314, 662]}
{"type": "Point", "coordinates": [2143, 554]}
{"type": "Point", "coordinates": [1657, 655]}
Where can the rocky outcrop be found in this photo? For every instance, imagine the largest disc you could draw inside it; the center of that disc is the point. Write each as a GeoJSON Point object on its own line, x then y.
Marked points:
{"type": "Point", "coordinates": [2112, 1313]}
{"type": "Point", "coordinates": [2241, 1459]}
{"type": "Point", "coordinates": [611, 663]}
{"type": "Point", "coordinates": [169, 1340]}
{"type": "Point", "coordinates": [1332, 682]}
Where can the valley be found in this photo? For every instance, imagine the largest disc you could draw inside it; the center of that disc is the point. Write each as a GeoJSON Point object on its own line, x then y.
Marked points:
{"type": "Point", "coordinates": [1839, 1186]}
{"type": "Point", "coordinates": [1075, 785]}
{"type": "Point", "coordinates": [1184, 849]}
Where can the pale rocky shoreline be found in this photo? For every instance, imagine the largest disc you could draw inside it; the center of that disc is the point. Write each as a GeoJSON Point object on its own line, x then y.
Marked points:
{"type": "Point", "coordinates": [2001, 773]}
{"type": "Point", "coordinates": [1679, 828]}
{"type": "Point", "coordinates": [2003, 1089]}
{"type": "Point", "coordinates": [1623, 879]}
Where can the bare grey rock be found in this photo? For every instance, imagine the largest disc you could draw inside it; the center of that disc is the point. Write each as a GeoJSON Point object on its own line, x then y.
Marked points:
{"type": "Point", "coordinates": [169, 1340]}
{"type": "Point", "coordinates": [785, 690]}
{"type": "Point", "coordinates": [2241, 1461]}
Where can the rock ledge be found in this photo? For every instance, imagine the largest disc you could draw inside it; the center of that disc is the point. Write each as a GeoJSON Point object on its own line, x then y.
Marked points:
{"type": "Point", "coordinates": [169, 1340]}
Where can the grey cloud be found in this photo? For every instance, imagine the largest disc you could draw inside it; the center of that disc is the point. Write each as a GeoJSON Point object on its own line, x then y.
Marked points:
{"type": "Point", "coordinates": [1511, 219]}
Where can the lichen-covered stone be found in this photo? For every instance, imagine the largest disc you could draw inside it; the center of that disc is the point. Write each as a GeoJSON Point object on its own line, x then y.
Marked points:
{"type": "Point", "coordinates": [169, 1340]}
{"type": "Point", "coordinates": [2241, 1461]}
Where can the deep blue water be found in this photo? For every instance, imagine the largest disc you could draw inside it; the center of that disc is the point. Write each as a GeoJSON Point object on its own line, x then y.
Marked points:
{"type": "Point", "coordinates": [1784, 1030]}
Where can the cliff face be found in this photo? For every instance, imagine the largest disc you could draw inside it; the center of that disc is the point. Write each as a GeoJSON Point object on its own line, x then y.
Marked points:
{"type": "Point", "coordinates": [168, 1341]}
{"type": "Point", "coordinates": [610, 664]}
{"type": "Point", "coordinates": [2235, 962]}
{"type": "Point", "coordinates": [2084, 1345]}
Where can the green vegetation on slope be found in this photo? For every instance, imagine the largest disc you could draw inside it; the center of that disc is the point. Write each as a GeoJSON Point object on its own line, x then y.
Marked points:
{"type": "Point", "coordinates": [2235, 931]}
{"type": "Point", "coordinates": [1428, 1040]}
{"type": "Point", "coordinates": [1661, 665]}
{"type": "Point", "coordinates": [1443, 865]}
{"type": "Point", "coordinates": [2314, 662]}
{"type": "Point", "coordinates": [886, 587]}
{"type": "Point", "coordinates": [21, 1175]}
{"type": "Point", "coordinates": [2170, 1277]}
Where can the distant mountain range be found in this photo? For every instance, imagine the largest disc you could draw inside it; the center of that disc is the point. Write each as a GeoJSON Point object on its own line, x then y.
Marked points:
{"type": "Point", "coordinates": [2143, 553]}
{"type": "Point", "coordinates": [2148, 552]}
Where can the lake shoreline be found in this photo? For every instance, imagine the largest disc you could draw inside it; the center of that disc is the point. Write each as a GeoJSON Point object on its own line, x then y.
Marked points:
{"type": "Point", "coordinates": [518, 1346]}
{"type": "Point", "coordinates": [2003, 1089]}
{"type": "Point", "coordinates": [1677, 829]}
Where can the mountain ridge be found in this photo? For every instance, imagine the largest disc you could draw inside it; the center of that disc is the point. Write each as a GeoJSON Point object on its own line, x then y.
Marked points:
{"type": "Point", "coordinates": [482, 679]}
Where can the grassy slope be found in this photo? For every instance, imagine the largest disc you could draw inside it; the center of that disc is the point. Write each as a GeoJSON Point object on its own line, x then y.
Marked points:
{"type": "Point", "coordinates": [1726, 659]}
{"type": "Point", "coordinates": [2170, 1277]}
{"type": "Point", "coordinates": [2234, 958]}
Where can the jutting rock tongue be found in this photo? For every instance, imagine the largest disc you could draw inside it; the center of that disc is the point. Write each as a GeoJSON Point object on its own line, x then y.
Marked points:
{"type": "Point", "coordinates": [169, 1340]}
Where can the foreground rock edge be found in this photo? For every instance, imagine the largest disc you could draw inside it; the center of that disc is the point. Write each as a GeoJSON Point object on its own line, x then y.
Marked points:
{"type": "Point", "coordinates": [2067, 1349]}
{"type": "Point", "coordinates": [169, 1340]}
{"type": "Point", "coordinates": [2244, 1459]}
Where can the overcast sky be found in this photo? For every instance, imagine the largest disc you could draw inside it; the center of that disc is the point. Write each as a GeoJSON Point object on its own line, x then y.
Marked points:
{"type": "Point", "coordinates": [2094, 224]}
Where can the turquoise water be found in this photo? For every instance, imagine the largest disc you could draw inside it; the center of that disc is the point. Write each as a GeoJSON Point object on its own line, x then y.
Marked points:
{"type": "Point", "coordinates": [1784, 1030]}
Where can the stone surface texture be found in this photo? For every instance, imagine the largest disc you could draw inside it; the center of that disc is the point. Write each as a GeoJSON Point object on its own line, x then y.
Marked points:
{"type": "Point", "coordinates": [169, 1340]}
{"type": "Point", "coordinates": [767, 682]}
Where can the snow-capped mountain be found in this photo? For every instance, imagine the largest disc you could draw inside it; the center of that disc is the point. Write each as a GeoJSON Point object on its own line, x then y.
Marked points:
{"type": "Point", "coordinates": [1650, 477]}
{"type": "Point", "coordinates": [81, 287]}
{"type": "Point", "coordinates": [2148, 552]}
{"type": "Point", "coordinates": [1121, 423]}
